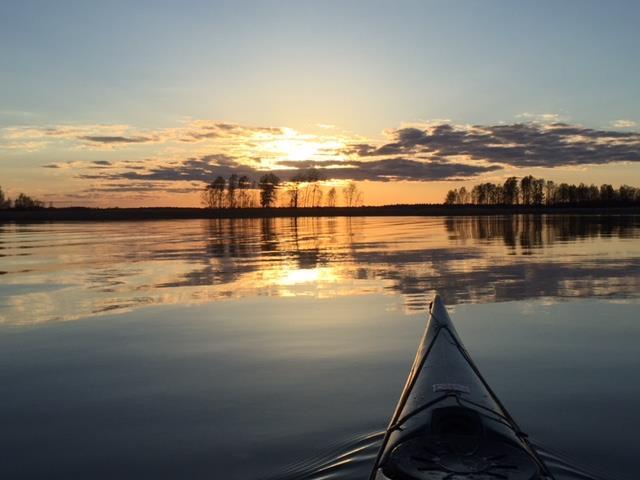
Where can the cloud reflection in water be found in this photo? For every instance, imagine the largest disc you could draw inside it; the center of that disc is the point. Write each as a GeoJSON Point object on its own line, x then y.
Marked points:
{"type": "Point", "coordinates": [69, 271]}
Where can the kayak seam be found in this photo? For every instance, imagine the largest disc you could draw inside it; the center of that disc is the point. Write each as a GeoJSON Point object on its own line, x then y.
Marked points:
{"type": "Point", "coordinates": [414, 376]}
{"type": "Point", "coordinates": [408, 388]}
{"type": "Point", "coordinates": [415, 411]}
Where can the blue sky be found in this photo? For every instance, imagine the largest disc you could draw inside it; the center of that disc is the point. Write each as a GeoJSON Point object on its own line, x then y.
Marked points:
{"type": "Point", "coordinates": [362, 66]}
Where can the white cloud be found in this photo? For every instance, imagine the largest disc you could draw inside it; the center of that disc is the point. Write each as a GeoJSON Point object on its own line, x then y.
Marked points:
{"type": "Point", "coordinates": [541, 117]}
{"type": "Point", "coordinates": [623, 123]}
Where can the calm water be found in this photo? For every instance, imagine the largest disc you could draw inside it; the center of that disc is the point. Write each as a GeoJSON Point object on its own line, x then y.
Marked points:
{"type": "Point", "coordinates": [265, 349]}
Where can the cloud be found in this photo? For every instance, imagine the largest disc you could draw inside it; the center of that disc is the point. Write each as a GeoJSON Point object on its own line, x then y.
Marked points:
{"type": "Point", "coordinates": [427, 152]}
{"type": "Point", "coordinates": [141, 187]}
{"type": "Point", "coordinates": [201, 130]}
{"type": "Point", "coordinates": [106, 136]}
{"type": "Point", "coordinates": [114, 139]}
{"type": "Point", "coordinates": [541, 117]}
{"type": "Point", "coordinates": [394, 169]}
{"type": "Point", "coordinates": [198, 151]}
{"type": "Point", "coordinates": [519, 145]}
{"type": "Point", "coordinates": [68, 132]}
{"type": "Point", "coordinates": [193, 169]}
{"type": "Point", "coordinates": [624, 123]}
{"type": "Point", "coordinates": [74, 164]}
{"type": "Point", "coordinates": [205, 168]}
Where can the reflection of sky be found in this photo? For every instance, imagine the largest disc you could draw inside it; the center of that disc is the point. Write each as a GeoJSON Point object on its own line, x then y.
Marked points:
{"type": "Point", "coordinates": [244, 389]}
{"type": "Point", "coordinates": [69, 271]}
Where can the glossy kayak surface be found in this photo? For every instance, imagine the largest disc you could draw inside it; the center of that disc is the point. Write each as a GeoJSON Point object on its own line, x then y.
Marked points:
{"type": "Point", "coordinates": [448, 424]}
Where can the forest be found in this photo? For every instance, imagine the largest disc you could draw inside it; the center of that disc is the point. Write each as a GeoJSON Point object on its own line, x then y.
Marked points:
{"type": "Point", "coordinates": [538, 191]}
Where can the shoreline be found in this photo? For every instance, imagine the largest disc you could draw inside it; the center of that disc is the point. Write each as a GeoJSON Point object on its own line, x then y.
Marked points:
{"type": "Point", "coordinates": [173, 213]}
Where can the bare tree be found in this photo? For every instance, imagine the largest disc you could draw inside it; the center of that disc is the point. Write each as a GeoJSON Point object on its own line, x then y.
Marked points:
{"type": "Point", "coordinates": [208, 196]}
{"type": "Point", "coordinates": [351, 194]}
{"type": "Point", "coordinates": [310, 194]}
{"type": "Point", "coordinates": [314, 177]}
{"type": "Point", "coordinates": [317, 197]}
{"type": "Point", "coordinates": [331, 197]}
{"type": "Point", "coordinates": [293, 190]}
{"type": "Point", "coordinates": [232, 187]}
{"type": "Point", "coordinates": [463, 196]}
{"type": "Point", "coordinates": [244, 186]}
{"type": "Point", "coordinates": [218, 187]}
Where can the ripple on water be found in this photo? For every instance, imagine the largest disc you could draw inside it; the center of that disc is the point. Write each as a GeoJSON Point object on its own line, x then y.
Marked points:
{"type": "Point", "coordinates": [353, 460]}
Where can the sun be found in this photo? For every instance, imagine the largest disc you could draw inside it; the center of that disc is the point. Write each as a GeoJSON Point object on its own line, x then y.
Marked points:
{"type": "Point", "coordinates": [292, 146]}
{"type": "Point", "coordinates": [296, 150]}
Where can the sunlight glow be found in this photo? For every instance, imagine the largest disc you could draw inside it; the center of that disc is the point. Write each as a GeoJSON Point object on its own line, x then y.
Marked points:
{"type": "Point", "coordinates": [308, 275]}
{"type": "Point", "coordinates": [296, 149]}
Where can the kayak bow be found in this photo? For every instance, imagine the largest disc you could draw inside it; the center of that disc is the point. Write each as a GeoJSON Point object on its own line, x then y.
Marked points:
{"type": "Point", "coordinates": [448, 424]}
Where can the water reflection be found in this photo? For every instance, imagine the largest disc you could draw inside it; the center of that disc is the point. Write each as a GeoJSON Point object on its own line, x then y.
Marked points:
{"type": "Point", "coordinates": [528, 232]}
{"type": "Point", "coordinates": [68, 271]}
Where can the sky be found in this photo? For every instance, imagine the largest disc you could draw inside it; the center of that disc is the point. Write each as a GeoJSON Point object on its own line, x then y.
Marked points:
{"type": "Point", "coordinates": [142, 103]}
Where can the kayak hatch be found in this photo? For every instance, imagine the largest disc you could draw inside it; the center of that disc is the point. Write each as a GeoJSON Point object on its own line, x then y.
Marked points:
{"type": "Point", "coordinates": [448, 424]}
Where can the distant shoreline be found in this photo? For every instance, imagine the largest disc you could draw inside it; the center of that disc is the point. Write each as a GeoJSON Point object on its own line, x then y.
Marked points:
{"type": "Point", "coordinates": [172, 213]}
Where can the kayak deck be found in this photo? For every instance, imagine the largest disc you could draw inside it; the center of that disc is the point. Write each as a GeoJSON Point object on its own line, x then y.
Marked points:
{"type": "Point", "coordinates": [448, 424]}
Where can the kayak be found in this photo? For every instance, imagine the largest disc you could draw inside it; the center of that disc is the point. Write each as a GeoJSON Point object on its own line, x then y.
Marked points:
{"type": "Point", "coordinates": [448, 424]}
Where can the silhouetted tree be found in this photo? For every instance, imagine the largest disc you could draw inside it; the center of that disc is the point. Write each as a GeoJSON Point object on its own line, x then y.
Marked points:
{"type": "Point", "coordinates": [594, 193]}
{"type": "Point", "coordinates": [244, 191]}
{"type": "Point", "coordinates": [550, 192]}
{"type": "Point", "coordinates": [537, 191]}
{"type": "Point", "coordinates": [607, 193]}
{"type": "Point", "coordinates": [218, 187]}
{"type": "Point", "coordinates": [5, 202]}
{"type": "Point", "coordinates": [331, 197]}
{"type": "Point", "coordinates": [293, 189]}
{"type": "Point", "coordinates": [268, 189]}
{"type": "Point", "coordinates": [452, 197]}
{"type": "Point", "coordinates": [315, 192]}
{"type": "Point", "coordinates": [511, 191]}
{"type": "Point", "coordinates": [627, 194]}
{"type": "Point", "coordinates": [526, 190]}
{"type": "Point", "coordinates": [232, 187]}
{"type": "Point", "coordinates": [463, 196]}
{"type": "Point", "coordinates": [207, 196]}
{"type": "Point", "coordinates": [25, 202]}
{"type": "Point", "coordinates": [352, 195]}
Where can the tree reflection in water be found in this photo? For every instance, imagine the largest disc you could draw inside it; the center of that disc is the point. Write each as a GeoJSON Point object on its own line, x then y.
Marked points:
{"type": "Point", "coordinates": [465, 259]}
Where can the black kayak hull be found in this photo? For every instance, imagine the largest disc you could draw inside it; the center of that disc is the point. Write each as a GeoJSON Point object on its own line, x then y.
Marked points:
{"type": "Point", "coordinates": [448, 424]}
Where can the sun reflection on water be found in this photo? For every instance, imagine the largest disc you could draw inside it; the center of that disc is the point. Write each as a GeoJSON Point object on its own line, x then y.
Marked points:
{"type": "Point", "coordinates": [61, 272]}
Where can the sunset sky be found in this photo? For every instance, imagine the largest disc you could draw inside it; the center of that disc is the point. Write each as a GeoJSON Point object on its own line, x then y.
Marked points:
{"type": "Point", "coordinates": [140, 103]}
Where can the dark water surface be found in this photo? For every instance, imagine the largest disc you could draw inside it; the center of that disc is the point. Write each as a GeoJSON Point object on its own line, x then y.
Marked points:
{"type": "Point", "coordinates": [264, 349]}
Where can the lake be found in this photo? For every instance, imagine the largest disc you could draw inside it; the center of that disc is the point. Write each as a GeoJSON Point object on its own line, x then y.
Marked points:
{"type": "Point", "coordinates": [277, 348]}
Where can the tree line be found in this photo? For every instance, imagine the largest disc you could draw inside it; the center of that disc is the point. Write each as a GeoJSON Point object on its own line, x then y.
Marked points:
{"type": "Point", "coordinates": [304, 189]}
{"type": "Point", "coordinates": [22, 202]}
{"type": "Point", "coordinates": [538, 191]}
